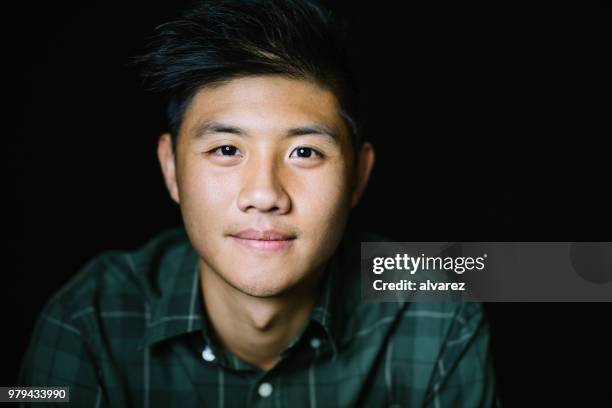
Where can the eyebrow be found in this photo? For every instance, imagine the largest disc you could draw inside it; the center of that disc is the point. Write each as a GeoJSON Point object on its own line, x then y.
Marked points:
{"type": "Point", "coordinates": [211, 126]}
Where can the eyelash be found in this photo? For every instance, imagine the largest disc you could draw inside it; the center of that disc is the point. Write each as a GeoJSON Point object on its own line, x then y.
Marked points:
{"type": "Point", "coordinates": [213, 151]}
{"type": "Point", "coordinates": [315, 151]}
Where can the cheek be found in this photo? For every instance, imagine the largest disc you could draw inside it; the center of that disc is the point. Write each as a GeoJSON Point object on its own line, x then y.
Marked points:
{"type": "Point", "coordinates": [320, 198]}
{"type": "Point", "coordinates": [204, 195]}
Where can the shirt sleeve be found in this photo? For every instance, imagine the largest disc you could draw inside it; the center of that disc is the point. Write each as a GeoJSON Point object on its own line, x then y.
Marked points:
{"type": "Point", "coordinates": [58, 355]}
{"type": "Point", "coordinates": [464, 374]}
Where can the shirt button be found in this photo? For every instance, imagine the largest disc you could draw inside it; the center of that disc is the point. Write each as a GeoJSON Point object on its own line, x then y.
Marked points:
{"type": "Point", "coordinates": [315, 343]}
{"type": "Point", "coordinates": [265, 389]}
{"type": "Point", "coordinates": [207, 354]}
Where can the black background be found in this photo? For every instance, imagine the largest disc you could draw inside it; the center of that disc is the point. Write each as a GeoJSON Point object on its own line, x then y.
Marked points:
{"type": "Point", "coordinates": [490, 120]}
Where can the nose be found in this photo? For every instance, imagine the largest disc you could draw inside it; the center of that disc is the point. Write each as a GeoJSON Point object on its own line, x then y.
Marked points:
{"type": "Point", "coordinates": [263, 188]}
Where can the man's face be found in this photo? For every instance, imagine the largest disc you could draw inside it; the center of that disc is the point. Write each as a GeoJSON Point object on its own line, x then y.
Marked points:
{"type": "Point", "coordinates": [262, 172]}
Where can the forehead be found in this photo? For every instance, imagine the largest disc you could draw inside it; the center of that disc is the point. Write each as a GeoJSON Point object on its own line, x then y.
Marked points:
{"type": "Point", "coordinates": [265, 104]}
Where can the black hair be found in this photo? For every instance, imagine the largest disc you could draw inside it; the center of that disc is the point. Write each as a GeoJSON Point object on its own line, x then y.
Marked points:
{"type": "Point", "coordinates": [213, 42]}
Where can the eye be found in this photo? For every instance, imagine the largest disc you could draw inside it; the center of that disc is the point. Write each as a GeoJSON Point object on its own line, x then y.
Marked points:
{"type": "Point", "coordinates": [225, 150]}
{"type": "Point", "coordinates": [305, 152]}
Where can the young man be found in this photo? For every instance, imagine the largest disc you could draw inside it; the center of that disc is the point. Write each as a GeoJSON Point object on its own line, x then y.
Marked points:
{"type": "Point", "coordinates": [256, 302]}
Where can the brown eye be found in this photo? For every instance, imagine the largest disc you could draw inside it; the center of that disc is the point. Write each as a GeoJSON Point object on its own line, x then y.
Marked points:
{"type": "Point", "coordinates": [305, 152]}
{"type": "Point", "coordinates": [226, 150]}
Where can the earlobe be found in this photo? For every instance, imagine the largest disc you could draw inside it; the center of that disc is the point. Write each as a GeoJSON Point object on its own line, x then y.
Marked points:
{"type": "Point", "coordinates": [165, 155]}
{"type": "Point", "coordinates": [364, 168]}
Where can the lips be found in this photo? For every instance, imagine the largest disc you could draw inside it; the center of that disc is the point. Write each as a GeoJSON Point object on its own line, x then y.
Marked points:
{"type": "Point", "coordinates": [267, 235]}
{"type": "Point", "coordinates": [264, 240]}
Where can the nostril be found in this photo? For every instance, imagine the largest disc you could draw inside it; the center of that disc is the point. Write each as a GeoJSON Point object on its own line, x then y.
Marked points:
{"type": "Point", "coordinates": [264, 197]}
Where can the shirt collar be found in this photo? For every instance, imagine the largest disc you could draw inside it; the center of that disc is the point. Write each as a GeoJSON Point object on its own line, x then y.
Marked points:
{"type": "Point", "coordinates": [178, 310]}
{"type": "Point", "coordinates": [326, 311]}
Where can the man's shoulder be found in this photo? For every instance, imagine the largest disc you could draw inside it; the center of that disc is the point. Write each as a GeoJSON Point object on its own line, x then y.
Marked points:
{"type": "Point", "coordinates": [437, 320]}
{"type": "Point", "coordinates": [448, 308]}
{"type": "Point", "coordinates": [121, 280]}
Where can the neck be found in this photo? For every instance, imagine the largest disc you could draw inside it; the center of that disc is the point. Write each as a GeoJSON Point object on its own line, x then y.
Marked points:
{"type": "Point", "coordinates": [256, 329]}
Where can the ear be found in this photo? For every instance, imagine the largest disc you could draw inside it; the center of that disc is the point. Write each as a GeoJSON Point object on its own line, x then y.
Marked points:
{"type": "Point", "coordinates": [365, 163]}
{"type": "Point", "coordinates": [165, 155]}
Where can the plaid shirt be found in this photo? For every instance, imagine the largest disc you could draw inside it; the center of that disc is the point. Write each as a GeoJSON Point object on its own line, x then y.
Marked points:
{"type": "Point", "coordinates": [130, 330]}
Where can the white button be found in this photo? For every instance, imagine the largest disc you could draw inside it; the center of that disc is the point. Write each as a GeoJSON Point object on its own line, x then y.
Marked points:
{"type": "Point", "coordinates": [265, 389]}
{"type": "Point", "coordinates": [207, 354]}
{"type": "Point", "coordinates": [315, 343]}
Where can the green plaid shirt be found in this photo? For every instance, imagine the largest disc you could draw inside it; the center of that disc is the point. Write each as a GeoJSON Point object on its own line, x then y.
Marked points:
{"type": "Point", "coordinates": [130, 330]}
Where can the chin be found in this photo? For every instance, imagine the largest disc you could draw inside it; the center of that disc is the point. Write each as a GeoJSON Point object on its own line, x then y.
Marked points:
{"type": "Point", "coordinates": [258, 287]}
{"type": "Point", "coordinates": [262, 291]}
